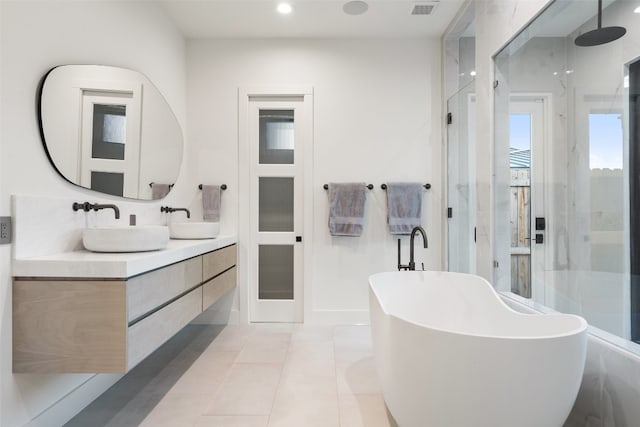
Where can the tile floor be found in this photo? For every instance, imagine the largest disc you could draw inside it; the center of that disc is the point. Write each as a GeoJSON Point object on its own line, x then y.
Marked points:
{"type": "Point", "coordinates": [276, 375]}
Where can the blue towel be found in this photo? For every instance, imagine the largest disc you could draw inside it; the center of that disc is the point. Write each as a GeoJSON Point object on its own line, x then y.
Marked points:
{"type": "Point", "coordinates": [346, 208]}
{"type": "Point", "coordinates": [404, 206]}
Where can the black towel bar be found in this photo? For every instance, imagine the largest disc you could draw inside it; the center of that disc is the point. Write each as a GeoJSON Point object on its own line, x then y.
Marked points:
{"type": "Point", "coordinates": [369, 186]}
{"type": "Point", "coordinates": [222, 187]}
{"type": "Point", "coordinates": [152, 183]}
{"type": "Point", "coordinates": [427, 186]}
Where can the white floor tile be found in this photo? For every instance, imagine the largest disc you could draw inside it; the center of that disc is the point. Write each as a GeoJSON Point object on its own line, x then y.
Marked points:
{"type": "Point", "coordinates": [295, 410]}
{"type": "Point", "coordinates": [249, 389]}
{"type": "Point", "coordinates": [306, 333]}
{"type": "Point", "coordinates": [232, 421]}
{"type": "Point", "coordinates": [363, 410]}
{"type": "Point", "coordinates": [279, 375]}
{"type": "Point", "coordinates": [358, 376]}
{"type": "Point", "coordinates": [264, 351]}
{"type": "Point", "coordinates": [177, 409]}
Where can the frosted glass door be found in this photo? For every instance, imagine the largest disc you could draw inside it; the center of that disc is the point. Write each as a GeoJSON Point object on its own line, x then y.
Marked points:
{"type": "Point", "coordinates": [277, 130]}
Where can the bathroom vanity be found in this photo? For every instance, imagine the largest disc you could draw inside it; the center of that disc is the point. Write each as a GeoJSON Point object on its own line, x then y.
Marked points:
{"type": "Point", "coordinates": [88, 312]}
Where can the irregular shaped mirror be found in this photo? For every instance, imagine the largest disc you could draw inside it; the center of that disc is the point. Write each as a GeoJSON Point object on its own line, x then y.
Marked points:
{"type": "Point", "coordinates": [110, 130]}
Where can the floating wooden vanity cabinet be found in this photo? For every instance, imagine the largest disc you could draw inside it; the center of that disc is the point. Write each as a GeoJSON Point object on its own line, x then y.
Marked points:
{"type": "Point", "coordinates": [65, 325]}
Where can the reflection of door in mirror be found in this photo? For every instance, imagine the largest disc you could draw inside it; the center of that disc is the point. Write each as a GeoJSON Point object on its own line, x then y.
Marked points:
{"type": "Point", "coordinates": [110, 142]}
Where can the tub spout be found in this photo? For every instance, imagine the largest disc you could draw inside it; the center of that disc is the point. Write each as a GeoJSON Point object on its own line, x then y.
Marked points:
{"type": "Point", "coordinates": [412, 264]}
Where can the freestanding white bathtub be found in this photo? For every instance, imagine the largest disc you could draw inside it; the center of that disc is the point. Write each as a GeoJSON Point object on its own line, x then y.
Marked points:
{"type": "Point", "coordinates": [450, 353]}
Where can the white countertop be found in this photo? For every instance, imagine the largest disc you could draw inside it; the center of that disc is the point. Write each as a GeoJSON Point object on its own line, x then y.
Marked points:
{"type": "Point", "coordinates": [86, 264]}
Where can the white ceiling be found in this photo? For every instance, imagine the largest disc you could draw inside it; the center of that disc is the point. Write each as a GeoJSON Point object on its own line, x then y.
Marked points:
{"type": "Point", "coordinates": [310, 19]}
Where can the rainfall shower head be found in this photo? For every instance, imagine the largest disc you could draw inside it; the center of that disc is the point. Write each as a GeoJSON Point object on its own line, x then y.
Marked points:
{"type": "Point", "coordinates": [600, 35]}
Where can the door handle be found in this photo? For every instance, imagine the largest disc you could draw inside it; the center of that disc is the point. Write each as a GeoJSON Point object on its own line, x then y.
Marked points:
{"type": "Point", "coordinates": [298, 238]}
{"type": "Point", "coordinates": [538, 239]}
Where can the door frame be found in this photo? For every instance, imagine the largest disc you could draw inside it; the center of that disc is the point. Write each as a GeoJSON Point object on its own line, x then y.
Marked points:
{"type": "Point", "coordinates": [244, 192]}
{"type": "Point", "coordinates": [540, 154]}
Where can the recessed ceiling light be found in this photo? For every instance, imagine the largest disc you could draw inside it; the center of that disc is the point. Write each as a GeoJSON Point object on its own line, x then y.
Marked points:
{"type": "Point", "coordinates": [636, 10]}
{"type": "Point", "coordinates": [355, 7]}
{"type": "Point", "coordinates": [285, 8]}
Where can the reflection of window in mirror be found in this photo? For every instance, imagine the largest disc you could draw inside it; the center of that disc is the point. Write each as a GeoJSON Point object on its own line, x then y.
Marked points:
{"type": "Point", "coordinates": [109, 131]}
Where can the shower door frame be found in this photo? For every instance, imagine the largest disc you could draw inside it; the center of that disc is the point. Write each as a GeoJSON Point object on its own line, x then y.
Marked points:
{"type": "Point", "coordinates": [633, 73]}
{"type": "Point", "coordinates": [541, 174]}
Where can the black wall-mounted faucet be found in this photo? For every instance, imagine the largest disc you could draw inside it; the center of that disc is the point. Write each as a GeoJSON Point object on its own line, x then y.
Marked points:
{"type": "Point", "coordinates": [170, 210]}
{"type": "Point", "coordinates": [86, 206]}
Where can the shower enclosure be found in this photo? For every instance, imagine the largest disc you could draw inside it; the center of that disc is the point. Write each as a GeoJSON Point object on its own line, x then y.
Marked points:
{"type": "Point", "coordinates": [566, 168]}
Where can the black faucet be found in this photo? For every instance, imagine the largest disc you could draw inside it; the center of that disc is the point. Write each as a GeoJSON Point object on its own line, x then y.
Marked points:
{"type": "Point", "coordinates": [86, 206]}
{"type": "Point", "coordinates": [412, 264]}
{"type": "Point", "coordinates": [170, 210]}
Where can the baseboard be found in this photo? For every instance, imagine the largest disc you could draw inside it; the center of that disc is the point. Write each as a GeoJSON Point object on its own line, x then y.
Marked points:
{"type": "Point", "coordinates": [69, 405]}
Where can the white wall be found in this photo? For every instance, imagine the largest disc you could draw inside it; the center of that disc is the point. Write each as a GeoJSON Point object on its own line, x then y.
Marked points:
{"type": "Point", "coordinates": [34, 37]}
{"type": "Point", "coordinates": [376, 119]}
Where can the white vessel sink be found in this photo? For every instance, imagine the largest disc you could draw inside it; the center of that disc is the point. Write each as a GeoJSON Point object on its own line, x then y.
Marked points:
{"type": "Point", "coordinates": [194, 230]}
{"type": "Point", "coordinates": [139, 238]}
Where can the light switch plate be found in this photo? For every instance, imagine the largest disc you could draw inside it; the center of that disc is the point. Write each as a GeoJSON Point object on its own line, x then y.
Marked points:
{"type": "Point", "coordinates": [5, 230]}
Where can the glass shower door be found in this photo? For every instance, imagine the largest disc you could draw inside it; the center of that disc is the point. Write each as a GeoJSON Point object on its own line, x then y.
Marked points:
{"type": "Point", "coordinates": [461, 191]}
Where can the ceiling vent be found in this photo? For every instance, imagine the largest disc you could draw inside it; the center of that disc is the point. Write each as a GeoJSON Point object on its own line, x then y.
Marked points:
{"type": "Point", "coordinates": [424, 8]}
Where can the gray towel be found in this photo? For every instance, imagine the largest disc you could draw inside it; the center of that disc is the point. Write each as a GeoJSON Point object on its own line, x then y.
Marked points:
{"type": "Point", "coordinates": [404, 206]}
{"type": "Point", "coordinates": [158, 191]}
{"type": "Point", "coordinates": [211, 203]}
{"type": "Point", "coordinates": [346, 208]}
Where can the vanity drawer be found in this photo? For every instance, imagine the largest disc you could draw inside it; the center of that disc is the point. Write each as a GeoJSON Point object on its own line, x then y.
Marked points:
{"type": "Point", "coordinates": [151, 332]}
{"type": "Point", "coordinates": [218, 261]}
{"type": "Point", "coordinates": [151, 290]}
{"type": "Point", "coordinates": [215, 288]}
{"type": "Point", "coordinates": [69, 326]}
